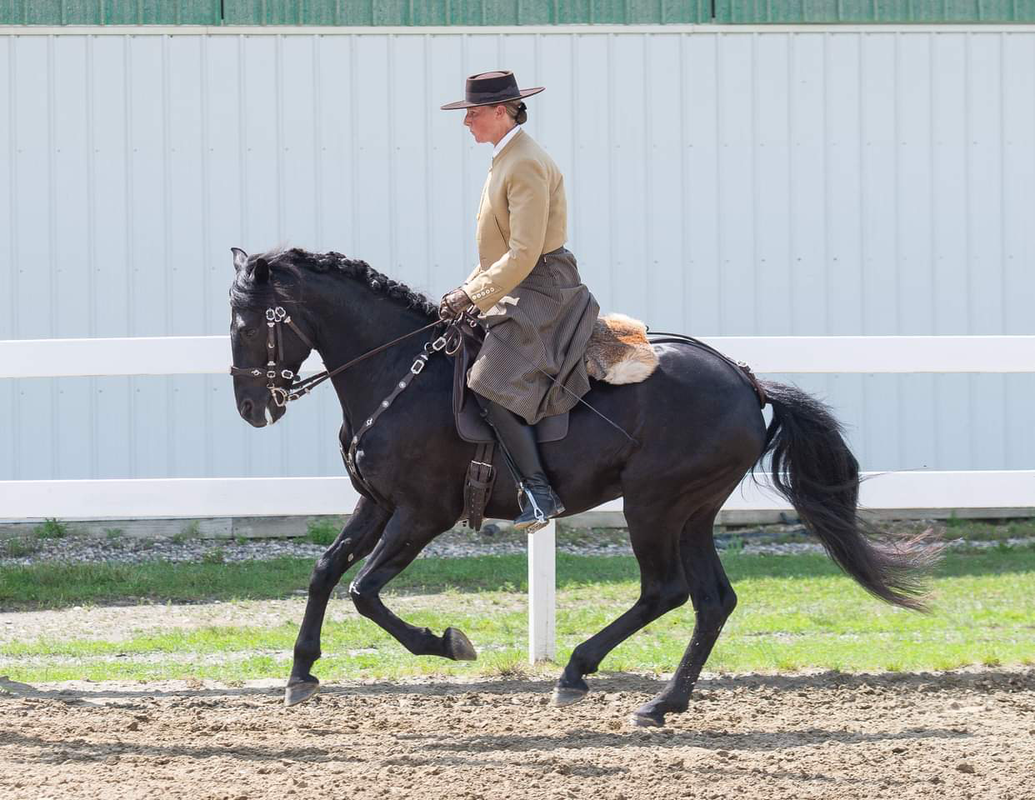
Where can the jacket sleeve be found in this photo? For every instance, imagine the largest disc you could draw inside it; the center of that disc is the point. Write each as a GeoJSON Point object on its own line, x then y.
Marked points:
{"type": "Point", "coordinates": [528, 204]}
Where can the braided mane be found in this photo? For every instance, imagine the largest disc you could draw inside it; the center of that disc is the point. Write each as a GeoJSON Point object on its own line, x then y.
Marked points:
{"type": "Point", "coordinates": [297, 259]}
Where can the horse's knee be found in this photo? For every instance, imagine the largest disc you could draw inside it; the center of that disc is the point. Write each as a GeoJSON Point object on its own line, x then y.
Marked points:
{"type": "Point", "coordinates": [665, 598]}
{"type": "Point", "coordinates": [675, 597]}
{"type": "Point", "coordinates": [714, 608]}
{"type": "Point", "coordinates": [323, 577]}
{"type": "Point", "coordinates": [729, 600]}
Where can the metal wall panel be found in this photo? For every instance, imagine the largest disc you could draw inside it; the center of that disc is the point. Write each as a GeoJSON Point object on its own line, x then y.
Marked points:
{"type": "Point", "coordinates": [719, 183]}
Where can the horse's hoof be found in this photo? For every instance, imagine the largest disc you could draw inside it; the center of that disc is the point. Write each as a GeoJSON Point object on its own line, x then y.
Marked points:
{"type": "Point", "coordinates": [458, 646]}
{"type": "Point", "coordinates": [646, 717]}
{"type": "Point", "coordinates": [299, 691]}
{"type": "Point", "coordinates": [566, 696]}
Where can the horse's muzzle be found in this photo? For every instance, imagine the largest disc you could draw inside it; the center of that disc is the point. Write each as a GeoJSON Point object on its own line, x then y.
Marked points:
{"type": "Point", "coordinates": [262, 413]}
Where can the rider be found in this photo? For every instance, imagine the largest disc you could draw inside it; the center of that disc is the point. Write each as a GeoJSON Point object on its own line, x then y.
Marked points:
{"type": "Point", "coordinates": [538, 313]}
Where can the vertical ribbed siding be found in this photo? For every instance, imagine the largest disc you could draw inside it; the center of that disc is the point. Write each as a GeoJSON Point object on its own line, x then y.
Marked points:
{"type": "Point", "coordinates": [10, 460]}
{"type": "Point", "coordinates": [736, 183]}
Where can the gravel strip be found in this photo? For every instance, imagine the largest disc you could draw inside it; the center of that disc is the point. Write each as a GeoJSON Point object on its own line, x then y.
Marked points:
{"type": "Point", "coordinates": [453, 544]}
{"type": "Point", "coordinates": [85, 549]}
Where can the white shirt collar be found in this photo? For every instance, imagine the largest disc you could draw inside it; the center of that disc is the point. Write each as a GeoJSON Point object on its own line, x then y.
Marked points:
{"type": "Point", "coordinates": [503, 142]}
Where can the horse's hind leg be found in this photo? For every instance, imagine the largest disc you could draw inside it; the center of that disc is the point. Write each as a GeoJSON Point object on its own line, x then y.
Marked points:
{"type": "Point", "coordinates": [655, 542]}
{"type": "Point", "coordinates": [356, 539]}
{"type": "Point", "coordinates": [714, 600]}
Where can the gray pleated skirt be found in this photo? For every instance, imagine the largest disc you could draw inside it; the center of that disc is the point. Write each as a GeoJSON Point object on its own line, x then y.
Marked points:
{"type": "Point", "coordinates": [544, 322]}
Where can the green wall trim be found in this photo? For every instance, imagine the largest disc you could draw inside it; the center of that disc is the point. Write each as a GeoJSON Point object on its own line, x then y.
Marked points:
{"type": "Point", "coordinates": [463, 12]}
{"type": "Point", "coordinates": [874, 11]}
{"type": "Point", "coordinates": [110, 12]}
{"type": "Point", "coordinates": [417, 13]}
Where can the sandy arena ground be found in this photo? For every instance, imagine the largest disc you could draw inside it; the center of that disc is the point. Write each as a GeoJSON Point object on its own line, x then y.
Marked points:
{"type": "Point", "coordinates": [967, 734]}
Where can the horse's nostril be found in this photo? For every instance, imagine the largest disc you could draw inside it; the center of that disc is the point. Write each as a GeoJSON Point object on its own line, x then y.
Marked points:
{"type": "Point", "coordinates": [246, 407]}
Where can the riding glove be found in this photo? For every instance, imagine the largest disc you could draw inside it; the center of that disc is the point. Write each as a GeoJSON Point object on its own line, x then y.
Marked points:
{"type": "Point", "coordinates": [453, 304]}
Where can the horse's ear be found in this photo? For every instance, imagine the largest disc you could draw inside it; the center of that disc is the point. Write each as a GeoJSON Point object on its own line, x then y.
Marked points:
{"type": "Point", "coordinates": [240, 258]}
{"type": "Point", "coordinates": [261, 271]}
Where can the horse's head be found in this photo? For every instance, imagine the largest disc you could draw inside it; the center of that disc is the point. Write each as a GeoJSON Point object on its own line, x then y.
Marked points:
{"type": "Point", "coordinates": [266, 344]}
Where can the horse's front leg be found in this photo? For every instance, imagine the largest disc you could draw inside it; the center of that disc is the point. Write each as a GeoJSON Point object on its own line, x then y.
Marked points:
{"type": "Point", "coordinates": [355, 541]}
{"type": "Point", "coordinates": [406, 535]}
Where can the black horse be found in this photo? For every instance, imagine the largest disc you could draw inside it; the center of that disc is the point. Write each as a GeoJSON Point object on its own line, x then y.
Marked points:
{"type": "Point", "coordinates": [696, 429]}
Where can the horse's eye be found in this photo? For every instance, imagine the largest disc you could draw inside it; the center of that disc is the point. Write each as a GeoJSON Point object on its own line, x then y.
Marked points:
{"type": "Point", "coordinates": [249, 333]}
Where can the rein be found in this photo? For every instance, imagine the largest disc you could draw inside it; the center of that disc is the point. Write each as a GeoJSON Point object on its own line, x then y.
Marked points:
{"type": "Point", "coordinates": [275, 317]}
{"type": "Point", "coordinates": [303, 388]}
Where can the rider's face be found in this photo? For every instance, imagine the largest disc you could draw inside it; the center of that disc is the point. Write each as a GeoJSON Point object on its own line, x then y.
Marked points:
{"type": "Point", "coordinates": [486, 123]}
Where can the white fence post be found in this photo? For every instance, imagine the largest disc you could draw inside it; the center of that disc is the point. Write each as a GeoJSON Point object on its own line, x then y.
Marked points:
{"type": "Point", "coordinates": [542, 594]}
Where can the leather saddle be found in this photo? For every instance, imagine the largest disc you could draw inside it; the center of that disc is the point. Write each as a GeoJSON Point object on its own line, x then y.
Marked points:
{"type": "Point", "coordinates": [470, 424]}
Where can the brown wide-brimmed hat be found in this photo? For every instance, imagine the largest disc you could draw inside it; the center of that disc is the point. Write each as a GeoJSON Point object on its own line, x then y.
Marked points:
{"type": "Point", "coordinates": [492, 88]}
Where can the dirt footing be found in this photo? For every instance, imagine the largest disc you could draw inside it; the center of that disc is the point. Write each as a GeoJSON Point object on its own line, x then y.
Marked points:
{"type": "Point", "coordinates": [965, 734]}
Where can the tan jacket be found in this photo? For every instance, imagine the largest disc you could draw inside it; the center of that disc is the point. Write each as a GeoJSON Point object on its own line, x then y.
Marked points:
{"type": "Point", "coordinates": [522, 214]}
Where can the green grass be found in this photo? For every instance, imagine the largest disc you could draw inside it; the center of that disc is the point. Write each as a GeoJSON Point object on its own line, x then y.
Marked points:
{"type": "Point", "coordinates": [795, 612]}
{"type": "Point", "coordinates": [50, 529]}
{"type": "Point", "coordinates": [53, 585]}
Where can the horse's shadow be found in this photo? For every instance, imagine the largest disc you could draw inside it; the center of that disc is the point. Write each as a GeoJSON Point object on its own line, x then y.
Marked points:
{"type": "Point", "coordinates": [668, 738]}
{"type": "Point", "coordinates": [479, 750]}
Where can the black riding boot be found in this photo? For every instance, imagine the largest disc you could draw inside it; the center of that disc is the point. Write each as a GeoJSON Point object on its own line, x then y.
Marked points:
{"type": "Point", "coordinates": [540, 503]}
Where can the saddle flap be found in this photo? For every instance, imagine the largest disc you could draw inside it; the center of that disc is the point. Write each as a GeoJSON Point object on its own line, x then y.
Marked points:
{"type": "Point", "coordinates": [468, 413]}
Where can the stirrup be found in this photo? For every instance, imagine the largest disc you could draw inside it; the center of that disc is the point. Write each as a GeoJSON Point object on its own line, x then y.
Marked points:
{"type": "Point", "coordinates": [539, 515]}
{"type": "Point", "coordinates": [541, 520]}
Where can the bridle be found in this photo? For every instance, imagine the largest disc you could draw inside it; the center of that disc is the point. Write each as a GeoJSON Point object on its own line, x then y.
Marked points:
{"type": "Point", "coordinates": [275, 368]}
{"type": "Point", "coordinates": [275, 317]}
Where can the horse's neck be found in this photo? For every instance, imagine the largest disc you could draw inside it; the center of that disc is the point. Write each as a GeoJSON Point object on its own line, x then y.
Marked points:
{"type": "Point", "coordinates": [365, 327]}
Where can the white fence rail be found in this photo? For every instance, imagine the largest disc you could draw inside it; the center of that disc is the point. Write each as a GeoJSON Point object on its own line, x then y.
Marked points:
{"type": "Point", "coordinates": [203, 497]}
{"type": "Point", "coordinates": [245, 497]}
{"type": "Point", "coordinates": [201, 355]}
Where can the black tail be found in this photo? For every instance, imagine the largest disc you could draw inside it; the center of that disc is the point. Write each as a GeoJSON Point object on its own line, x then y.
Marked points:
{"type": "Point", "coordinates": [814, 469]}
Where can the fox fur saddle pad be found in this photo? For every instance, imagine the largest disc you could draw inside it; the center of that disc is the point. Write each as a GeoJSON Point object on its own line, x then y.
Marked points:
{"type": "Point", "coordinates": [618, 350]}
